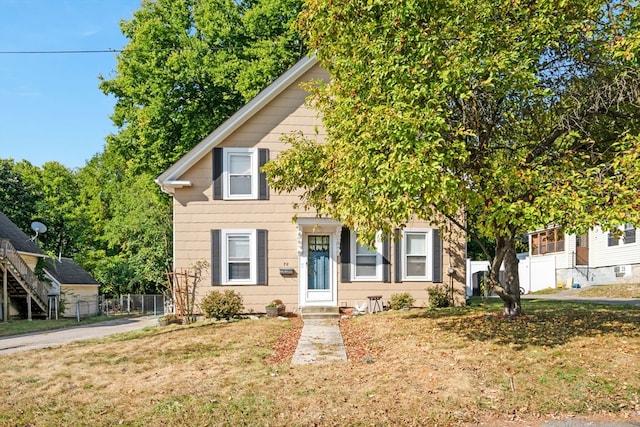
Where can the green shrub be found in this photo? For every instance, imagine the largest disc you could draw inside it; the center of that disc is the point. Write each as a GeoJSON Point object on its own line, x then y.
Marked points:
{"type": "Point", "coordinates": [400, 301]}
{"type": "Point", "coordinates": [439, 297]}
{"type": "Point", "coordinates": [220, 305]}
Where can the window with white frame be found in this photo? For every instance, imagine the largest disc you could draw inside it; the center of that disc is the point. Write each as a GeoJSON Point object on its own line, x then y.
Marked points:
{"type": "Point", "coordinates": [416, 257]}
{"type": "Point", "coordinates": [238, 257]}
{"type": "Point", "coordinates": [626, 235]}
{"type": "Point", "coordinates": [240, 172]}
{"type": "Point", "coordinates": [236, 173]}
{"type": "Point", "coordinates": [367, 261]}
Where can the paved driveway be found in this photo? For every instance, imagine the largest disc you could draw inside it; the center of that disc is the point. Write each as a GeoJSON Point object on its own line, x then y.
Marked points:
{"type": "Point", "coordinates": [58, 337]}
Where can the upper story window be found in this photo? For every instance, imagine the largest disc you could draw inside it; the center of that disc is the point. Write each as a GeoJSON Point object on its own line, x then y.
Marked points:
{"type": "Point", "coordinates": [547, 241]}
{"type": "Point", "coordinates": [627, 235]}
{"type": "Point", "coordinates": [236, 174]}
{"type": "Point", "coordinates": [240, 172]}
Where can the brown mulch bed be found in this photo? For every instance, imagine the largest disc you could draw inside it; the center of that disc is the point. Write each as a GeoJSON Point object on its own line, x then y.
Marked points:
{"type": "Point", "coordinates": [356, 341]}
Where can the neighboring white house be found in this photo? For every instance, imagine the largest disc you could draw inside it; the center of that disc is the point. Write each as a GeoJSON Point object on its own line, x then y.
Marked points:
{"type": "Point", "coordinates": [596, 258]}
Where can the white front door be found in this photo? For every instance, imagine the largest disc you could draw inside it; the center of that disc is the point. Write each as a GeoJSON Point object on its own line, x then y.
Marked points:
{"type": "Point", "coordinates": [318, 278]}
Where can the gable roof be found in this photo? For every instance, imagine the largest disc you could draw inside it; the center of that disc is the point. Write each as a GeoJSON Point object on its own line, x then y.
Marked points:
{"type": "Point", "coordinates": [67, 272]}
{"type": "Point", "coordinates": [18, 238]}
{"type": "Point", "coordinates": [169, 180]}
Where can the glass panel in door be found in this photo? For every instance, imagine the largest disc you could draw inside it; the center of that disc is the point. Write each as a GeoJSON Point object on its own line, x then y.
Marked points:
{"type": "Point", "coordinates": [318, 273]}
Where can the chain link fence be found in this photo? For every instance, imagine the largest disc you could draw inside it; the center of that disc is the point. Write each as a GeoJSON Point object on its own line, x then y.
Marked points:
{"type": "Point", "coordinates": [150, 305]}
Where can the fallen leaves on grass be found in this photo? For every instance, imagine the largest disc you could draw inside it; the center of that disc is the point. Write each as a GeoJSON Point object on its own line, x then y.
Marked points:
{"type": "Point", "coordinates": [285, 347]}
{"type": "Point", "coordinates": [356, 340]}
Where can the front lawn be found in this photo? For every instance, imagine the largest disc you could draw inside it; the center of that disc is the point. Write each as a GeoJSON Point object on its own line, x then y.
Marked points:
{"type": "Point", "coordinates": [457, 366]}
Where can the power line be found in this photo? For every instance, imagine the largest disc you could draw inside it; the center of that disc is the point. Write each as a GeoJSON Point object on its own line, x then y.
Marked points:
{"type": "Point", "coordinates": [63, 52]}
{"type": "Point", "coordinates": [45, 52]}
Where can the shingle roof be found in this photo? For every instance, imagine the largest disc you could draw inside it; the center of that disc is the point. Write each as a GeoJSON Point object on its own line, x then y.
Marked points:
{"type": "Point", "coordinates": [20, 241]}
{"type": "Point", "coordinates": [67, 272]}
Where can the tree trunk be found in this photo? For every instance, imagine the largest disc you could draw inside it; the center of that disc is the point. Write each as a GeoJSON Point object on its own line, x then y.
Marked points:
{"type": "Point", "coordinates": [510, 291]}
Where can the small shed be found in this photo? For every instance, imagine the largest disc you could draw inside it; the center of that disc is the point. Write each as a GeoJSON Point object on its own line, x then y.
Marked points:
{"type": "Point", "coordinates": [75, 289]}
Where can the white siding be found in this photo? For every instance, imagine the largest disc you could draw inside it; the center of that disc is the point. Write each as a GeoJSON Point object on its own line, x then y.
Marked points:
{"type": "Point", "coordinates": [602, 255]}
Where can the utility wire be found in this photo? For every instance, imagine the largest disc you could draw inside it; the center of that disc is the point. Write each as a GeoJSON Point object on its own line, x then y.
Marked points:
{"type": "Point", "coordinates": [59, 52]}
{"type": "Point", "coordinates": [41, 52]}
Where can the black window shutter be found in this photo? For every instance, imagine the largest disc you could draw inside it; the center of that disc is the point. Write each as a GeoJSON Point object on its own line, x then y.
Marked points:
{"type": "Point", "coordinates": [437, 257]}
{"type": "Point", "coordinates": [216, 258]}
{"type": "Point", "coordinates": [217, 173]}
{"type": "Point", "coordinates": [386, 264]}
{"type": "Point", "coordinates": [398, 256]}
{"type": "Point", "coordinates": [613, 240]}
{"type": "Point", "coordinates": [263, 188]}
{"type": "Point", "coordinates": [263, 267]}
{"type": "Point", "coordinates": [345, 255]}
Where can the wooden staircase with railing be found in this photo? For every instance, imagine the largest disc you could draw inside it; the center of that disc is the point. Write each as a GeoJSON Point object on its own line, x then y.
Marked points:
{"type": "Point", "coordinates": [23, 286]}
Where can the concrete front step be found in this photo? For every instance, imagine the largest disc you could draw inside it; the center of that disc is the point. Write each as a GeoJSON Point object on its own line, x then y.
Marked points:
{"type": "Point", "coordinates": [320, 313]}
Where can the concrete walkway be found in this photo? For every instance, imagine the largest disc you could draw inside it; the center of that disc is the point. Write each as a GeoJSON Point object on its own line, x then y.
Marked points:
{"type": "Point", "coordinates": [58, 337]}
{"type": "Point", "coordinates": [320, 342]}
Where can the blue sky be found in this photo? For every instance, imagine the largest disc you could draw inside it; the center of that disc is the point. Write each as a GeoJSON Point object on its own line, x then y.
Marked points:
{"type": "Point", "coordinates": [51, 108]}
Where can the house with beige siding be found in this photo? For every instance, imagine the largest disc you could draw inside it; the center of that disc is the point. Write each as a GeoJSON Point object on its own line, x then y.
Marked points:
{"type": "Point", "coordinates": [224, 213]}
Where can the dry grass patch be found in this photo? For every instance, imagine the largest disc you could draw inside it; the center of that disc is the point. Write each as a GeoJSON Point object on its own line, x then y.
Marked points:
{"type": "Point", "coordinates": [137, 378]}
{"type": "Point", "coordinates": [447, 367]}
{"type": "Point", "coordinates": [629, 290]}
{"type": "Point", "coordinates": [548, 291]}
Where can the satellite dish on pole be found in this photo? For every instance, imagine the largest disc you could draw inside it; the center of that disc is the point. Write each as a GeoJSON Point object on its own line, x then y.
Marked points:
{"type": "Point", "coordinates": [39, 228]}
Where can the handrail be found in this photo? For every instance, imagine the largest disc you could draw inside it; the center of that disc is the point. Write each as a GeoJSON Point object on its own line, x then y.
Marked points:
{"type": "Point", "coordinates": [36, 286]}
{"type": "Point", "coordinates": [578, 267]}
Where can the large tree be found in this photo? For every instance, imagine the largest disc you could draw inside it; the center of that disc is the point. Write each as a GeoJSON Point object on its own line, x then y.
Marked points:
{"type": "Point", "coordinates": [17, 197]}
{"type": "Point", "coordinates": [56, 191]}
{"type": "Point", "coordinates": [188, 66]}
{"type": "Point", "coordinates": [519, 113]}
